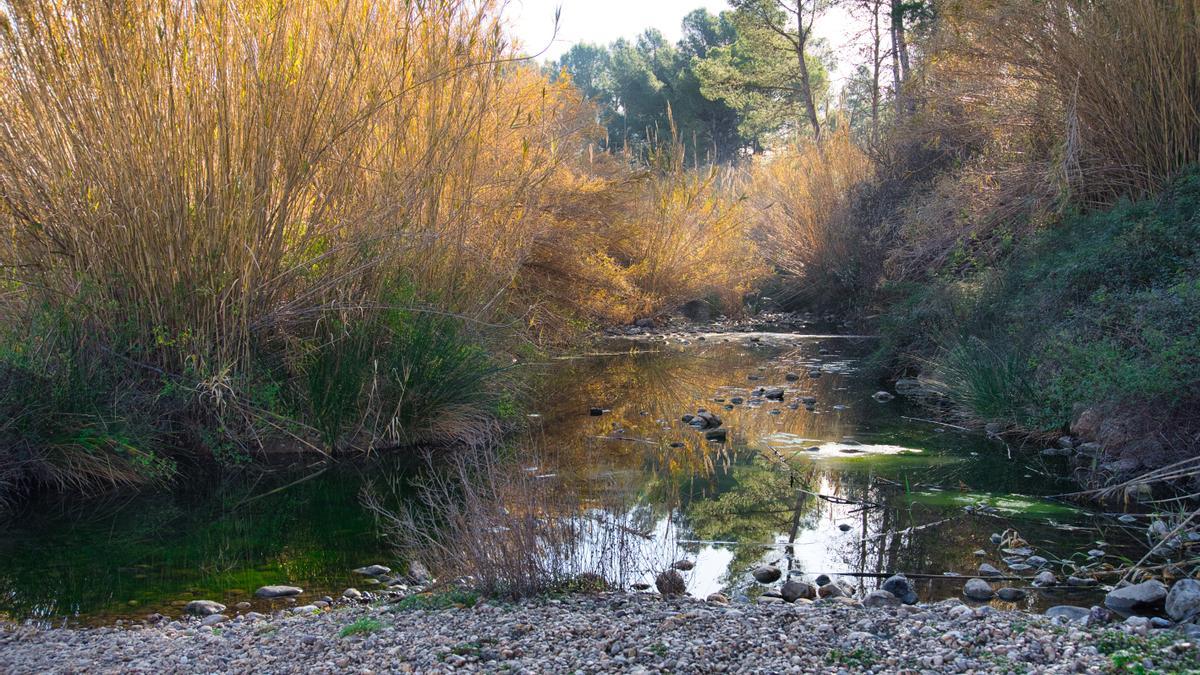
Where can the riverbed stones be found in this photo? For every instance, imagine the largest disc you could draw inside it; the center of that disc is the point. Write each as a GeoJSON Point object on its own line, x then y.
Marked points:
{"type": "Point", "coordinates": [797, 590]}
{"type": "Point", "coordinates": [791, 377]}
{"type": "Point", "coordinates": [773, 394]}
{"type": "Point", "coordinates": [203, 608]}
{"type": "Point", "coordinates": [883, 396]}
{"type": "Point", "coordinates": [1137, 598]}
{"type": "Point", "coordinates": [670, 583]}
{"type": "Point", "coordinates": [978, 589]}
{"type": "Point", "coordinates": [270, 592]}
{"type": "Point", "coordinates": [373, 570]}
{"type": "Point", "coordinates": [213, 619]}
{"type": "Point", "coordinates": [899, 586]}
{"type": "Point", "coordinates": [1183, 601]}
{"type": "Point", "coordinates": [986, 570]}
{"type": "Point", "coordinates": [766, 574]}
{"type": "Point", "coordinates": [1081, 582]}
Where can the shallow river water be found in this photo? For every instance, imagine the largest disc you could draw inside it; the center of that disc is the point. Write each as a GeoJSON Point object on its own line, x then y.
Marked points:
{"type": "Point", "coordinates": [854, 488]}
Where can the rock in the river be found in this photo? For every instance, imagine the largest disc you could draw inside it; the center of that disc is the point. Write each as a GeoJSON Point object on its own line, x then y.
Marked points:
{"type": "Point", "coordinates": [814, 374]}
{"type": "Point", "coordinates": [791, 377]}
{"type": "Point", "coordinates": [1045, 578]}
{"type": "Point", "coordinates": [1137, 598]}
{"type": "Point", "coordinates": [203, 608]}
{"type": "Point", "coordinates": [880, 598]}
{"type": "Point", "coordinates": [595, 412]}
{"type": "Point", "coordinates": [670, 583]}
{"type": "Point", "coordinates": [1069, 612]}
{"type": "Point", "coordinates": [1183, 602]}
{"type": "Point", "coordinates": [213, 619]}
{"type": "Point", "coordinates": [978, 589]}
{"type": "Point", "coordinates": [996, 538]}
{"type": "Point", "coordinates": [844, 527]}
{"type": "Point", "coordinates": [683, 565]}
{"type": "Point", "coordinates": [775, 394]}
{"type": "Point", "coordinates": [278, 591]}
{"type": "Point", "coordinates": [822, 579]}
{"type": "Point", "coordinates": [1011, 594]}
{"type": "Point", "coordinates": [352, 594]}
{"type": "Point", "coordinates": [373, 570]}
{"type": "Point", "coordinates": [766, 574]}
{"type": "Point", "coordinates": [899, 586]}
{"type": "Point", "coordinates": [986, 570]}
{"type": "Point", "coordinates": [796, 590]}
{"type": "Point", "coordinates": [1036, 561]}
{"type": "Point", "coordinates": [980, 553]}
{"type": "Point", "coordinates": [1080, 581]}
{"type": "Point", "coordinates": [883, 396]}
{"type": "Point", "coordinates": [717, 435]}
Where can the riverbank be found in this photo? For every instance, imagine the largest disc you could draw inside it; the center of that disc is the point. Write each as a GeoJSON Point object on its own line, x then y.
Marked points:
{"type": "Point", "coordinates": [609, 632]}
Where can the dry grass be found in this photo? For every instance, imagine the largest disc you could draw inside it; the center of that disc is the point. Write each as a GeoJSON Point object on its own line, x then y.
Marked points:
{"type": "Point", "coordinates": [799, 203]}
{"type": "Point", "coordinates": [261, 206]}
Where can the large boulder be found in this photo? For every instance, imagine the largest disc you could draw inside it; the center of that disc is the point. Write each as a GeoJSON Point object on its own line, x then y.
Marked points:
{"type": "Point", "coordinates": [798, 590]}
{"type": "Point", "coordinates": [1183, 601]}
{"type": "Point", "coordinates": [1145, 597]}
{"type": "Point", "coordinates": [899, 586]}
{"type": "Point", "coordinates": [978, 589]}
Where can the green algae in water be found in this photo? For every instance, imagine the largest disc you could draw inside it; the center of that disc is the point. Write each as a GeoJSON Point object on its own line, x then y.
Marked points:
{"type": "Point", "coordinates": [1011, 505]}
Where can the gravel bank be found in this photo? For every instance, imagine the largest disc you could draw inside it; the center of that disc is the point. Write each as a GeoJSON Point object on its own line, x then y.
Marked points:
{"type": "Point", "coordinates": [602, 633]}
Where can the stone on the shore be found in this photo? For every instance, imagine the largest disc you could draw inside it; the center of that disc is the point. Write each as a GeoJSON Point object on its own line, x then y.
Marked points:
{"type": "Point", "coordinates": [373, 570]}
{"type": "Point", "coordinates": [830, 590]}
{"type": "Point", "coordinates": [718, 598]}
{"type": "Point", "coordinates": [352, 594]}
{"type": "Point", "coordinates": [278, 591]}
{"type": "Point", "coordinates": [797, 590]}
{"type": "Point", "coordinates": [880, 598]}
{"type": "Point", "coordinates": [766, 574]}
{"type": "Point", "coordinates": [1069, 612]}
{"type": "Point", "coordinates": [203, 608]}
{"type": "Point", "coordinates": [1137, 598]}
{"type": "Point", "coordinates": [822, 579]}
{"type": "Point", "coordinates": [899, 586]}
{"type": "Point", "coordinates": [978, 589]}
{"type": "Point", "coordinates": [670, 583]}
{"type": "Point", "coordinates": [213, 619]}
{"type": "Point", "coordinates": [1183, 601]}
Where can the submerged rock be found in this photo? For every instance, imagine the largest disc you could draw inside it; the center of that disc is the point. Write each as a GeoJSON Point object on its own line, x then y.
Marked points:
{"type": "Point", "coordinates": [719, 435]}
{"type": "Point", "coordinates": [775, 394]}
{"type": "Point", "coordinates": [1011, 594]}
{"type": "Point", "coordinates": [883, 396]}
{"type": "Point", "coordinates": [986, 570]}
{"type": "Point", "coordinates": [1045, 578]}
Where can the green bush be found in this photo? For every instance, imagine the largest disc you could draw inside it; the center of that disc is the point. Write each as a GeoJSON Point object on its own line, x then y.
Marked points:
{"type": "Point", "coordinates": [1103, 307]}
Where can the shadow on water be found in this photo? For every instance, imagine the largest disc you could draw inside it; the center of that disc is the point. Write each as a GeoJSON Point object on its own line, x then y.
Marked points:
{"type": "Point", "coordinates": [881, 493]}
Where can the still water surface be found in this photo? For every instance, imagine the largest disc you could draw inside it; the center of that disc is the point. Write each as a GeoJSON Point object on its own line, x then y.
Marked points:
{"type": "Point", "coordinates": [853, 486]}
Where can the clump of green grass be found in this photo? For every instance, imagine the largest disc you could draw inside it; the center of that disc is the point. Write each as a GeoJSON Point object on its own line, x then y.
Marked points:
{"type": "Point", "coordinates": [439, 600]}
{"type": "Point", "coordinates": [859, 657]}
{"type": "Point", "coordinates": [1154, 653]}
{"type": "Point", "coordinates": [362, 626]}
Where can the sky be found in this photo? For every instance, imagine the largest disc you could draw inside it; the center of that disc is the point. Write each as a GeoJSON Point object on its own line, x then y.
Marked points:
{"type": "Point", "coordinates": [602, 21]}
